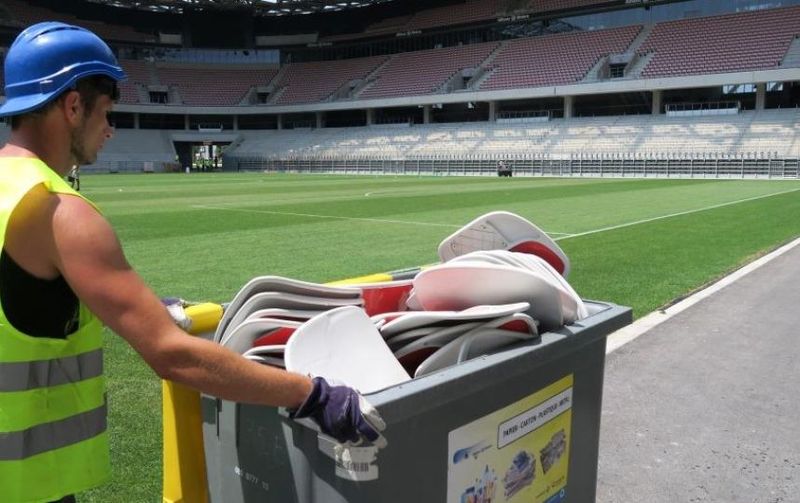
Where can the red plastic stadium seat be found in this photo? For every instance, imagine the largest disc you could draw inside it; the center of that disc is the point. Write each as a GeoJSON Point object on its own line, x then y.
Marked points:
{"type": "Point", "coordinates": [728, 43]}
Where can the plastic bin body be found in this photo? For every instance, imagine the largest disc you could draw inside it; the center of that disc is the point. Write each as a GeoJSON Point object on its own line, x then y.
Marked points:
{"type": "Point", "coordinates": [482, 413]}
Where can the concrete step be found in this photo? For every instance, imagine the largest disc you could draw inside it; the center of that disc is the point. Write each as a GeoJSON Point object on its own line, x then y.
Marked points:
{"type": "Point", "coordinates": [792, 57]}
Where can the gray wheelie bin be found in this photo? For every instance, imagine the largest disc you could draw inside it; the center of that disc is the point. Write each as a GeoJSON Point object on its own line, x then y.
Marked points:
{"type": "Point", "coordinates": [519, 425]}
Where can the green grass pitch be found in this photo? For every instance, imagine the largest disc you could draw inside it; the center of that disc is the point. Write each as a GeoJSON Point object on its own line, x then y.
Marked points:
{"type": "Point", "coordinates": [641, 243]}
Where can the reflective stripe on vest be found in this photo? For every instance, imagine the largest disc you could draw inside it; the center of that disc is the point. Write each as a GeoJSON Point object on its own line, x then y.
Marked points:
{"type": "Point", "coordinates": [53, 439]}
{"type": "Point", "coordinates": [19, 445]}
{"type": "Point", "coordinates": [21, 376]}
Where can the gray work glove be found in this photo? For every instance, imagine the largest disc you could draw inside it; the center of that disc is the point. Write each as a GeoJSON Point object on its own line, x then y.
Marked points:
{"type": "Point", "coordinates": [175, 307]}
{"type": "Point", "coordinates": [340, 412]}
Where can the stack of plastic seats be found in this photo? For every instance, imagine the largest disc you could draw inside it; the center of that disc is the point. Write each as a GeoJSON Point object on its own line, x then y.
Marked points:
{"type": "Point", "coordinates": [501, 282]}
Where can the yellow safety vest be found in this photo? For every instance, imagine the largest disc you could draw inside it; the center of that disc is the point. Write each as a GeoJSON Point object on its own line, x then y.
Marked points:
{"type": "Point", "coordinates": [53, 439]}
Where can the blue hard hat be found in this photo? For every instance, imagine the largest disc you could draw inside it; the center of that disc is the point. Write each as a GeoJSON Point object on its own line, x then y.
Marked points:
{"type": "Point", "coordinates": [48, 58]}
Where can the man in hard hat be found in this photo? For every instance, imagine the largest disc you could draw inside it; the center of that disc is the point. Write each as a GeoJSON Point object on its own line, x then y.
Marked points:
{"type": "Point", "coordinates": [63, 274]}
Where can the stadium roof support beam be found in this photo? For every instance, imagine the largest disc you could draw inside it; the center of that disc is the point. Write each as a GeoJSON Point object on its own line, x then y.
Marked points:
{"type": "Point", "coordinates": [657, 99]}
{"type": "Point", "coordinates": [259, 7]}
{"type": "Point", "coordinates": [761, 95]}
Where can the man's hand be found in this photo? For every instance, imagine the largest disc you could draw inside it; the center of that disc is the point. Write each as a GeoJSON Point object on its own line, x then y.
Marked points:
{"type": "Point", "coordinates": [340, 412]}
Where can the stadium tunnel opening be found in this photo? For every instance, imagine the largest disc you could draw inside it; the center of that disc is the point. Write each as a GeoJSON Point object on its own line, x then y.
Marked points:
{"type": "Point", "coordinates": [203, 155]}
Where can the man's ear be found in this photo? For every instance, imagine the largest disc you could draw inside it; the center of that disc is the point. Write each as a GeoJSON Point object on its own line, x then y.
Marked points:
{"type": "Point", "coordinates": [72, 106]}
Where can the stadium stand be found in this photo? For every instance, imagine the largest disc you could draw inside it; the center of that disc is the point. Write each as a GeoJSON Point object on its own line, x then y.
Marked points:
{"type": "Point", "coordinates": [132, 90]}
{"type": "Point", "coordinates": [212, 85]}
{"type": "Point", "coordinates": [733, 42]}
{"type": "Point", "coordinates": [317, 81]}
{"type": "Point", "coordinates": [130, 149]}
{"type": "Point", "coordinates": [770, 132]}
{"type": "Point", "coordinates": [555, 59]}
{"type": "Point", "coordinates": [716, 44]}
{"type": "Point", "coordinates": [423, 72]}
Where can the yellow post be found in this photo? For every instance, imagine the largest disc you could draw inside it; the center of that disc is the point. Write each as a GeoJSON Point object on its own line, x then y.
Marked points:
{"type": "Point", "coordinates": [184, 457]}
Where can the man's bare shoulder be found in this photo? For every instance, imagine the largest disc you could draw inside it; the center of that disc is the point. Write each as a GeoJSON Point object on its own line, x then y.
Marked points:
{"type": "Point", "coordinates": [46, 208]}
{"type": "Point", "coordinates": [74, 206]}
{"type": "Point", "coordinates": [75, 219]}
{"type": "Point", "coordinates": [50, 225]}
{"type": "Point", "coordinates": [30, 234]}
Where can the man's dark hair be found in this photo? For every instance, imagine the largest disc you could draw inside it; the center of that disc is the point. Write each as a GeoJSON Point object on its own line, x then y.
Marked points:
{"type": "Point", "coordinates": [90, 88]}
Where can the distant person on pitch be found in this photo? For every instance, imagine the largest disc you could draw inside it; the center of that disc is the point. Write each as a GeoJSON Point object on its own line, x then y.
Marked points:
{"type": "Point", "coordinates": [74, 177]}
{"type": "Point", "coordinates": [503, 169]}
{"type": "Point", "coordinates": [63, 274]}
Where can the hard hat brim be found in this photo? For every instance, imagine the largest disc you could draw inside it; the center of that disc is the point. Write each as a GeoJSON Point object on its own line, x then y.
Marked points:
{"type": "Point", "coordinates": [23, 104]}
{"type": "Point", "coordinates": [17, 105]}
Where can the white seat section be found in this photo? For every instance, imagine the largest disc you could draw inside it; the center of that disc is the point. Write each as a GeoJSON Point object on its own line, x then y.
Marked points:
{"type": "Point", "coordinates": [768, 131]}
{"type": "Point", "coordinates": [133, 147]}
{"type": "Point", "coordinates": [462, 284]}
{"type": "Point", "coordinates": [344, 345]}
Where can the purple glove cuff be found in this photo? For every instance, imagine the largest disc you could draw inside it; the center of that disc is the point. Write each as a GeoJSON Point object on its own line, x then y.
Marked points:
{"type": "Point", "coordinates": [312, 400]}
{"type": "Point", "coordinates": [337, 412]}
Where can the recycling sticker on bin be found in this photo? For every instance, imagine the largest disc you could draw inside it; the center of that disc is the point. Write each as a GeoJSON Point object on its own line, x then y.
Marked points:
{"type": "Point", "coordinates": [518, 453]}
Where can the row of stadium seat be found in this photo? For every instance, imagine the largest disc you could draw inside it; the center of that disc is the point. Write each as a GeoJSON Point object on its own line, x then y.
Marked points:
{"type": "Point", "coordinates": [206, 86]}
{"type": "Point", "coordinates": [770, 132]}
{"type": "Point", "coordinates": [555, 59]}
{"type": "Point", "coordinates": [728, 43]}
{"type": "Point", "coordinates": [423, 72]}
{"type": "Point", "coordinates": [733, 42]}
{"type": "Point", "coordinates": [316, 81]}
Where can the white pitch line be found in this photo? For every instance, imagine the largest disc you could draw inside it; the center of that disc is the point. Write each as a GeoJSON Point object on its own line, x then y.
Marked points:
{"type": "Point", "coordinates": [563, 235]}
{"type": "Point", "coordinates": [687, 212]}
{"type": "Point", "coordinates": [625, 335]}
{"type": "Point", "coordinates": [334, 217]}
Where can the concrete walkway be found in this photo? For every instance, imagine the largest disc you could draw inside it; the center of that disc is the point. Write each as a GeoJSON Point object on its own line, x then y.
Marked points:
{"type": "Point", "coordinates": [705, 407]}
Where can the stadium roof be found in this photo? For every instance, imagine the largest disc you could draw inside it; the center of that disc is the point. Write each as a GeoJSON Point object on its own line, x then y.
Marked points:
{"type": "Point", "coordinates": [262, 7]}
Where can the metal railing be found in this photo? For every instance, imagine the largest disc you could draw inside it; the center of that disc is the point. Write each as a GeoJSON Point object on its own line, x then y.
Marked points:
{"type": "Point", "coordinates": [630, 166]}
{"type": "Point", "coordinates": [699, 109]}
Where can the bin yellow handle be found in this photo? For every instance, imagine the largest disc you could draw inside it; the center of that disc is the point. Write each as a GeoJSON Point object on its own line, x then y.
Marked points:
{"type": "Point", "coordinates": [205, 317]}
